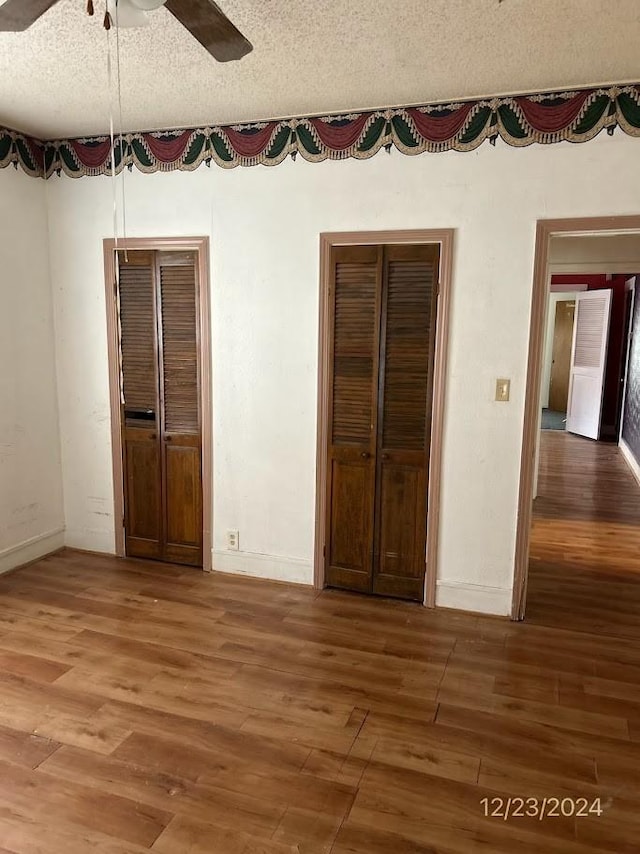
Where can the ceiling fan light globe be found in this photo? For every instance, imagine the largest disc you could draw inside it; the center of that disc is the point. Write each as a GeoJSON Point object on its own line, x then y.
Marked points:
{"type": "Point", "coordinates": [148, 5]}
{"type": "Point", "coordinates": [125, 15]}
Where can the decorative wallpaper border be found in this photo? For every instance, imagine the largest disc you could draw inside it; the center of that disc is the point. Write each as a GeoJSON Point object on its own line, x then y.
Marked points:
{"type": "Point", "coordinates": [24, 151]}
{"type": "Point", "coordinates": [573, 116]}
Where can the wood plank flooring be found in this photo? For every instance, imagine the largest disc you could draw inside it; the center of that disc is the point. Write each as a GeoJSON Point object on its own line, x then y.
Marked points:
{"type": "Point", "coordinates": [585, 551]}
{"type": "Point", "coordinates": [146, 707]}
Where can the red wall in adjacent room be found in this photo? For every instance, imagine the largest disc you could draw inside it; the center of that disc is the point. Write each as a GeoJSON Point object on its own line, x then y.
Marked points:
{"type": "Point", "coordinates": [569, 281]}
{"type": "Point", "coordinates": [612, 384]}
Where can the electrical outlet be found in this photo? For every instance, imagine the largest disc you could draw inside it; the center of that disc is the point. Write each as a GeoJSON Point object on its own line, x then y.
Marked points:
{"type": "Point", "coordinates": [233, 540]}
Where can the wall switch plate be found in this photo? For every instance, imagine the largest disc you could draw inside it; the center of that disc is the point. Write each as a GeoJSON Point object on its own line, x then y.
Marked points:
{"type": "Point", "coordinates": [503, 389]}
{"type": "Point", "coordinates": [233, 540]}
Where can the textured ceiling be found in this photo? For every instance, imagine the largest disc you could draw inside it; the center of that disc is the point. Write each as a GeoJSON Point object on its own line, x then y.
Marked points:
{"type": "Point", "coordinates": [310, 56]}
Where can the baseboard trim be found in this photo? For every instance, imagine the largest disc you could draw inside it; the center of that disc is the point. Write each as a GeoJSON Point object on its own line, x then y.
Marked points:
{"type": "Point", "coordinates": [31, 549]}
{"type": "Point", "coordinates": [256, 565]}
{"type": "Point", "coordinates": [473, 597]}
{"type": "Point", "coordinates": [90, 541]}
{"type": "Point", "coordinates": [630, 460]}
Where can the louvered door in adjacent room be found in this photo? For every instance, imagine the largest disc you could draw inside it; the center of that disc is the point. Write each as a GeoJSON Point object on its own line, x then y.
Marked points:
{"type": "Point", "coordinates": [588, 362]}
{"type": "Point", "coordinates": [161, 419]}
{"type": "Point", "coordinates": [382, 334]}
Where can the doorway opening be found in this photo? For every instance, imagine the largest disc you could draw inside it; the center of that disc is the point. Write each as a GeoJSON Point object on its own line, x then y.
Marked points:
{"type": "Point", "coordinates": [557, 367]}
{"type": "Point", "coordinates": [383, 340]}
{"type": "Point", "coordinates": [578, 537]}
{"type": "Point", "coordinates": [157, 299]}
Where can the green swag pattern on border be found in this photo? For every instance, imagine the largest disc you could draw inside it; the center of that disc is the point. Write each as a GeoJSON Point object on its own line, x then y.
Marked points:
{"type": "Point", "coordinates": [572, 116]}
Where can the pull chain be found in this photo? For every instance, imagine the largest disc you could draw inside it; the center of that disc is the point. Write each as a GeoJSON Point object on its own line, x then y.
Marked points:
{"type": "Point", "coordinates": [112, 133]}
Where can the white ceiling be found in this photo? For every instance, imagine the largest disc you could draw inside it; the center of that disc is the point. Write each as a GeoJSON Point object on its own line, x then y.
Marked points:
{"type": "Point", "coordinates": [310, 56]}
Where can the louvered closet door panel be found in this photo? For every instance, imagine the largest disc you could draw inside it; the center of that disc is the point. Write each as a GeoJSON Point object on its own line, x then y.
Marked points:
{"type": "Point", "coordinates": [138, 332]}
{"type": "Point", "coordinates": [143, 494]}
{"type": "Point", "coordinates": [140, 428]}
{"type": "Point", "coordinates": [354, 335]}
{"type": "Point", "coordinates": [182, 456]}
{"type": "Point", "coordinates": [179, 342]}
{"type": "Point", "coordinates": [404, 418]}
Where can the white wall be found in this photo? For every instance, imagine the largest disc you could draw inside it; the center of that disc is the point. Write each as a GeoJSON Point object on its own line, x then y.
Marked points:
{"type": "Point", "coordinates": [264, 225]}
{"type": "Point", "coordinates": [548, 342]}
{"type": "Point", "coordinates": [31, 520]}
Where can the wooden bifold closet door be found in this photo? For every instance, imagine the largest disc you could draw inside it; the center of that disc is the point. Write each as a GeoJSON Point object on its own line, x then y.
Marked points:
{"type": "Point", "coordinates": [160, 412]}
{"type": "Point", "coordinates": [382, 335]}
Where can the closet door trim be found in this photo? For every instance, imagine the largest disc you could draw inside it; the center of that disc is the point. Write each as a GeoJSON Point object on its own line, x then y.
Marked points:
{"type": "Point", "coordinates": [443, 237]}
{"type": "Point", "coordinates": [199, 245]}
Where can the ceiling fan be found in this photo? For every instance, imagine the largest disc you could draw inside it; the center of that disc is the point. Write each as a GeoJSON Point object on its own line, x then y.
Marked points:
{"type": "Point", "coordinates": [203, 18]}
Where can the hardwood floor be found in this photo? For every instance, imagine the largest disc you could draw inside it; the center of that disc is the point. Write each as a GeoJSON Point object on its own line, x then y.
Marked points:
{"type": "Point", "coordinates": [585, 552]}
{"type": "Point", "coordinates": [151, 707]}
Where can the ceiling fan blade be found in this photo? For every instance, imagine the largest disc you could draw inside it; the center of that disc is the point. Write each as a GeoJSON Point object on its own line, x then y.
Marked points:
{"type": "Point", "coordinates": [18, 15]}
{"type": "Point", "coordinates": [210, 26]}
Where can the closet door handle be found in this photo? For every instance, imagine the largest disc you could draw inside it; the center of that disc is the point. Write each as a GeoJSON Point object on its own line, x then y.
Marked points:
{"type": "Point", "coordinates": [385, 456]}
{"type": "Point", "coordinates": [152, 436]}
{"type": "Point", "coordinates": [365, 455]}
{"type": "Point", "coordinates": [167, 438]}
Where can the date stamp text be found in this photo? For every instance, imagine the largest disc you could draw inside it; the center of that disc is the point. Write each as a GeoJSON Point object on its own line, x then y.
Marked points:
{"type": "Point", "coordinates": [540, 808]}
